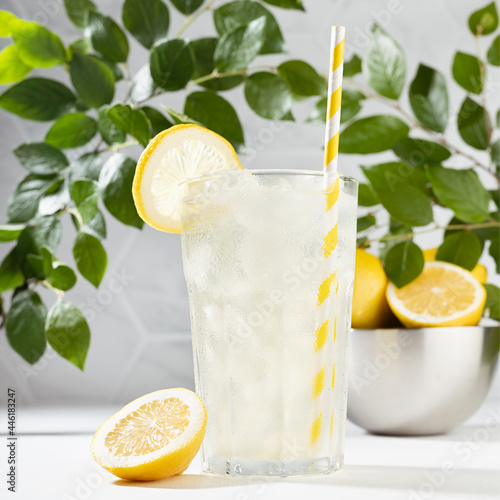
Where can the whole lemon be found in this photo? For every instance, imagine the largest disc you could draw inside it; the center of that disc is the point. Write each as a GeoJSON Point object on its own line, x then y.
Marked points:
{"type": "Point", "coordinates": [369, 305]}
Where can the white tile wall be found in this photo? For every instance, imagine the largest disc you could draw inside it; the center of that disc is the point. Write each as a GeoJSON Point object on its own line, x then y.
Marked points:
{"type": "Point", "coordinates": [140, 335]}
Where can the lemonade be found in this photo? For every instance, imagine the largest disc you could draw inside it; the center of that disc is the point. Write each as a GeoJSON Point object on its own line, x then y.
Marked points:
{"type": "Point", "coordinates": [270, 308]}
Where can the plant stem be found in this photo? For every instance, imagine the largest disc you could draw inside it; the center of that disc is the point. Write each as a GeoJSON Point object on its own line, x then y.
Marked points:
{"type": "Point", "coordinates": [190, 19]}
{"type": "Point", "coordinates": [117, 147]}
{"type": "Point", "coordinates": [47, 285]}
{"type": "Point", "coordinates": [76, 214]}
{"type": "Point", "coordinates": [437, 137]}
{"type": "Point", "coordinates": [464, 227]}
{"type": "Point", "coordinates": [241, 72]}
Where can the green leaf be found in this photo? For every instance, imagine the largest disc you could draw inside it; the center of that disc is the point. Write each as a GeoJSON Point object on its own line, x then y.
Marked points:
{"type": "Point", "coordinates": [143, 86]}
{"type": "Point", "coordinates": [495, 196]}
{"type": "Point", "coordinates": [85, 193]}
{"type": "Point", "coordinates": [472, 124]}
{"type": "Point", "coordinates": [25, 197]}
{"type": "Point", "coordinates": [492, 301]}
{"type": "Point", "coordinates": [269, 96]}
{"type": "Point", "coordinates": [113, 66]}
{"type": "Point", "coordinates": [12, 68]}
{"type": "Point", "coordinates": [68, 333]}
{"type": "Point", "coordinates": [203, 50]}
{"type": "Point", "coordinates": [96, 226]}
{"type": "Point", "coordinates": [372, 134]}
{"type": "Point", "coordinates": [41, 159]}
{"type": "Point", "coordinates": [55, 199]}
{"type": "Point", "coordinates": [172, 64]}
{"type": "Point", "coordinates": [133, 121]}
{"type": "Point", "coordinates": [384, 65]}
{"type": "Point", "coordinates": [88, 166]}
{"type": "Point", "coordinates": [107, 37]}
{"type": "Point", "coordinates": [353, 66]}
{"type": "Point", "coordinates": [58, 274]}
{"type": "Point", "coordinates": [147, 21]}
{"type": "Point", "coordinates": [398, 232]}
{"type": "Point", "coordinates": [495, 153]}
{"type": "Point", "coordinates": [110, 133]}
{"type": "Point", "coordinates": [25, 325]}
{"type": "Point", "coordinates": [462, 248]}
{"type": "Point", "coordinates": [33, 267]}
{"type": "Point", "coordinates": [302, 78]}
{"type": "Point", "coordinates": [71, 131]}
{"type": "Point", "coordinates": [366, 197]}
{"type": "Point", "coordinates": [6, 18]}
{"type": "Point", "coordinates": [238, 48]}
{"type": "Point", "coordinates": [366, 222]}
{"type": "Point", "coordinates": [37, 46]}
{"type": "Point", "coordinates": [460, 190]}
{"type": "Point", "coordinates": [467, 72]}
{"type": "Point", "coordinates": [484, 21]}
{"type": "Point", "coordinates": [394, 185]}
{"type": "Point", "coordinates": [215, 113]}
{"type": "Point", "coordinates": [494, 250]}
{"type": "Point", "coordinates": [233, 14]}
{"type": "Point", "coordinates": [93, 80]}
{"type": "Point", "coordinates": [78, 11]}
{"type": "Point", "coordinates": [38, 99]}
{"type": "Point", "coordinates": [187, 7]}
{"type": "Point", "coordinates": [62, 277]}
{"type": "Point", "coordinates": [493, 55]}
{"type": "Point", "coordinates": [318, 112]}
{"type": "Point", "coordinates": [180, 118]}
{"type": "Point", "coordinates": [90, 257]}
{"type": "Point", "coordinates": [46, 231]}
{"type": "Point", "coordinates": [115, 184]}
{"type": "Point", "coordinates": [11, 275]}
{"type": "Point", "coordinates": [350, 104]}
{"type": "Point", "coordinates": [418, 152]}
{"type": "Point", "coordinates": [10, 232]}
{"type": "Point", "coordinates": [429, 98]}
{"type": "Point", "coordinates": [158, 122]}
{"type": "Point", "coordinates": [403, 263]}
{"type": "Point", "coordinates": [287, 4]}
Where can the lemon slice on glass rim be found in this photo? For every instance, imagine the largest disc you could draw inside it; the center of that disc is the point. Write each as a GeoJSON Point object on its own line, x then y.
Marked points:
{"type": "Point", "coordinates": [443, 295]}
{"type": "Point", "coordinates": [179, 153]}
{"type": "Point", "coordinates": [154, 436]}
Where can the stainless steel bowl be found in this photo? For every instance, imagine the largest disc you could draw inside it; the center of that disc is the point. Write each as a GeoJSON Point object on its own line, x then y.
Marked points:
{"type": "Point", "coordinates": [421, 381]}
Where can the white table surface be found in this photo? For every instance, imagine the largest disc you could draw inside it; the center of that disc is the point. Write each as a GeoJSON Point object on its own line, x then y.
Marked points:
{"type": "Point", "coordinates": [54, 463]}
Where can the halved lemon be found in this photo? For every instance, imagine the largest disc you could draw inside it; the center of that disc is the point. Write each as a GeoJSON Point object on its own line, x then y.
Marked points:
{"type": "Point", "coordinates": [479, 272]}
{"type": "Point", "coordinates": [443, 295]}
{"type": "Point", "coordinates": [175, 155]}
{"type": "Point", "coordinates": [154, 436]}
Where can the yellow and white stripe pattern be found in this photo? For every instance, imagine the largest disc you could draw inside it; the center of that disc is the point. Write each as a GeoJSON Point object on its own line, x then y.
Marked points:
{"type": "Point", "coordinates": [334, 98]}
{"type": "Point", "coordinates": [327, 323]}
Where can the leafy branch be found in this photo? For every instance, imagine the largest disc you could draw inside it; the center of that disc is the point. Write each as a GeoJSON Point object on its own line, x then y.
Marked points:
{"type": "Point", "coordinates": [422, 177]}
{"type": "Point", "coordinates": [87, 114]}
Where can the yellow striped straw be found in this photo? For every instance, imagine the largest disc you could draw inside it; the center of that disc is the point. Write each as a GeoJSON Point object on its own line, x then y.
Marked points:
{"type": "Point", "coordinates": [334, 99]}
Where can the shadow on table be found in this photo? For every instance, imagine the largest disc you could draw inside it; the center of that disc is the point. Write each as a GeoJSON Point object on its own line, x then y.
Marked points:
{"type": "Point", "coordinates": [193, 482]}
{"type": "Point", "coordinates": [476, 433]}
{"type": "Point", "coordinates": [477, 482]}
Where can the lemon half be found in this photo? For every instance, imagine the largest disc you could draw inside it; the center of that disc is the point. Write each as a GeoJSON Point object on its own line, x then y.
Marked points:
{"type": "Point", "coordinates": [443, 295]}
{"type": "Point", "coordinates": [154, 436]}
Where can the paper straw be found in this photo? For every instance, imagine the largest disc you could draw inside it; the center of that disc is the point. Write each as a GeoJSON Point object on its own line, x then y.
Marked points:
{"type": "Point", "coordinates": [334, 99]}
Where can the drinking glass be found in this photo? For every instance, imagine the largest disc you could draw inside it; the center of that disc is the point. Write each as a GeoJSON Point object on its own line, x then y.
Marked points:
{"type": "Point", "coordinates": [268, 259]}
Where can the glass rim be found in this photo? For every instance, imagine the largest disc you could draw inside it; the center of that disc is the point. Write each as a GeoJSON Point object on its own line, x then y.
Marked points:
{"type": "Point", "coordinates": [263, 171]}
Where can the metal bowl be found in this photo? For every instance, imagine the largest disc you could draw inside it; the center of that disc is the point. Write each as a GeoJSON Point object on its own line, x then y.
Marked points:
{"type": "Point", "coordinates": [421, 381]}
